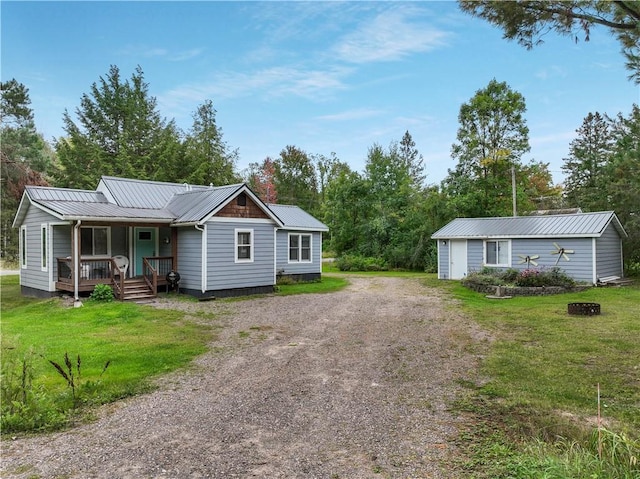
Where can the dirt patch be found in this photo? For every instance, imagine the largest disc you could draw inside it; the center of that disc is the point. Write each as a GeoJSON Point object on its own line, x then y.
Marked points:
{"type": "Point", "coordinates": [353, 384]}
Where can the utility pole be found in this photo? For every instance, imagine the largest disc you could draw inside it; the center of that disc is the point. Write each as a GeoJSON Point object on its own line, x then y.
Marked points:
{"type": "Point", "coordinates": [513, 190]}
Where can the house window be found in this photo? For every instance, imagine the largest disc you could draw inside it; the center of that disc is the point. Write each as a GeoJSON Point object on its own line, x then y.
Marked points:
{"type": "Point", "coordinates": [94, 241]}
{"type": "Point", "coordinates": [244, 246]}
{"type": "Point", "coordinates": [44, 244]}
{"type": "Point", "coordinates": [242, 199]}
{"type": "Point", "coordinates": [299, 248]}
{"type": "Point", "coordinates": [23, 246]}
{"type": "Point", "coordinates": [497, 253]}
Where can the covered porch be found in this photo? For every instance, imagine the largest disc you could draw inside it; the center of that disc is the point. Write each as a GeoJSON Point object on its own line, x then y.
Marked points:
{"type": "Point", "coordinates": [133, 259]}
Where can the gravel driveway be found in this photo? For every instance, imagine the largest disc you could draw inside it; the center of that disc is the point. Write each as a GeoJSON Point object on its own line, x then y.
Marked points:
{"type": "Point", "coordinates": [353, 384]}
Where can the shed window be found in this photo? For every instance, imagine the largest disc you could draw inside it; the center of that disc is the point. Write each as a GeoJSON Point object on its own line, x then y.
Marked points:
{"type": "Point", "coordinates": [497, 252]}
{"type": "Point", "coordinates": [244, 246]}
{"type": "Point", "coordinates": [94, 241]}
{"type": "Point", "coordinates": [299, 248]}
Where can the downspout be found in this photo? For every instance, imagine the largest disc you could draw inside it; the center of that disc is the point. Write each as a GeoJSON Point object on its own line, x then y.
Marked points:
{"type": "Point", "coordinates": [76, 264]}
{"type": "Point", "coordinates": [203, 261]}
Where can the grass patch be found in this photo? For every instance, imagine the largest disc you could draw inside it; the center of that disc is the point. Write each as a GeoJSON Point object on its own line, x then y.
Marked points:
{"type": "Point", "coordinates": [328, 284]}
{"type": "Point", "coordinates": [537, 413]}
{"type": "Point", "coordinates": [140, 342]}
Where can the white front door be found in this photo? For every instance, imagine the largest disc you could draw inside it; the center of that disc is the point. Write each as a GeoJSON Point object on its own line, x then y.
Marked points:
{"type": "Point", "coordinates": [458, 259]}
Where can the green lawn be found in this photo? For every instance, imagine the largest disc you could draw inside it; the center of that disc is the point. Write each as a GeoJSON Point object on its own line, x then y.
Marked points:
{"type": "Point", "coordinates": [140, 342]}
{"type": "Point", "coordinates": [538, 408]}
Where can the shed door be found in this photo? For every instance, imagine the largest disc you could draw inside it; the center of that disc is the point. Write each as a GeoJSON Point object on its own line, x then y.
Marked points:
{"type": "Point", "coordinates": [458, 258]}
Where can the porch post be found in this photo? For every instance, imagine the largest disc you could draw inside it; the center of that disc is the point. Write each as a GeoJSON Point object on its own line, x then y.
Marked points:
{"type": "Point", "coordinates": [75, 250]}
{"type": "Point", "coordinates": [174, 248]}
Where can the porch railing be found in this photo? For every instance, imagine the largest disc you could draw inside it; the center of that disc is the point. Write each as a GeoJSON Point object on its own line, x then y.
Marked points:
{"type": "Point", "coordinates": [150, 275]}
{"type": "Point", "coordinates": [117, 280]}
{"type": "Point", "coordinates": [162, 265]}
{"type": "Point", "coordinates": [106, 271]}
{"type": "Point", "coordinates": [92, 271]}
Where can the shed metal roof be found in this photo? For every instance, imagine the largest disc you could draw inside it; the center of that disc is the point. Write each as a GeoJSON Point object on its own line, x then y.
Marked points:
{"type": "Point", "coordinates": [295, 217]}
{"type": "Point", "coordinates": [572, 225]}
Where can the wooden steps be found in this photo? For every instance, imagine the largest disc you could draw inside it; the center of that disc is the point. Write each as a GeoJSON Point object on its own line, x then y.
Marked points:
{"type": "Point", "coordinates": [136, 289]}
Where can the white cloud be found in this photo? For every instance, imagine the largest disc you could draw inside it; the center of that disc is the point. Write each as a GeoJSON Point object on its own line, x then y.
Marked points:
{"type": "Point", "coordinates": [266, 83]}
{"type": "Point", "coordinates": [356, 114]}
{"type": "Point", "coordinates": [389, 36]}
{"type": "Point", "coordinates": [158, 52]}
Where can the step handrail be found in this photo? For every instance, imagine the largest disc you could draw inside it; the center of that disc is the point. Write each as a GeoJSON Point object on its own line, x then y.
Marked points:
{"type": "Point", "coordinates": [148, 270]}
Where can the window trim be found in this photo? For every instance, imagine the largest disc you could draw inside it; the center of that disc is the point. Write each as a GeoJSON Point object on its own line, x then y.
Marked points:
{"type": "Point", "coordinates": [498, 264]}
{"type": "Point", "coordinates": [93, 253]}
{"type": "Point", "coordinates": [300, 260]}
{"type": "Point", "coordinates": [237, 233]}
{"type": "Point", "coordinates": [23, 247]}
{"type": "Point", "coordinates": [44, 247]}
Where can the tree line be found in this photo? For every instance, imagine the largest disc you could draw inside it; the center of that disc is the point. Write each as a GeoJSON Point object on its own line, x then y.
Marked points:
{"type": "Point", "coordinates": [386, 213]}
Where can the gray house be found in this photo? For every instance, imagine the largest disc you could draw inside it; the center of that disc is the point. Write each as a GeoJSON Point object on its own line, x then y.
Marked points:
{"type": "Point", "coordinates": [587, 246]}
{"type": "Point", "coordinates": [129, 233]}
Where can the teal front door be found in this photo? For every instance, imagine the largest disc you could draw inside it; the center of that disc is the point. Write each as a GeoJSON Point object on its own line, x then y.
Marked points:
{"type": "Point", "coordinates": [145, 246]}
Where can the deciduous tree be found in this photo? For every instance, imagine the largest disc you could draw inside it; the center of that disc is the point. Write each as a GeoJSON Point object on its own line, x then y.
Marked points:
{"type": "Point", "coordinates": [296, 179]}
{"type": "Point", "coordinates": [492, 137]}
{"type": "Point", "coordinates": [26, 158]}
{"type": "Point", "coordinates": [623, 175]}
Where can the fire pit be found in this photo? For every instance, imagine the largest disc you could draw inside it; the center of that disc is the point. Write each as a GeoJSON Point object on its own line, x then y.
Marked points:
{"type": "Point", "coordinates": [584, 309]}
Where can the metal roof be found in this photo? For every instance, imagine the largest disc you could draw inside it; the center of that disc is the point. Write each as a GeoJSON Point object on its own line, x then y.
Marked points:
{"type": "Point", "coordinates": [193, 206]}
{"type": "Point", "coordinates": [142, 193]}
{"type": "Point", "coordinates": [572, 225]}
{"type": "Point", "coordinates": [45, 193]}
{"type": "Point", "coordinates": [295, 217]}
{"type": "Point", "coordinates": [151, 201]}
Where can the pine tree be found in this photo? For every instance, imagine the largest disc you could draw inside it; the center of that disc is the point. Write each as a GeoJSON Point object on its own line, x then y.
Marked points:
{"type": "Point", "coordinates": [119, 132]}
{"type": "Point", "coordinates": [585, 167]}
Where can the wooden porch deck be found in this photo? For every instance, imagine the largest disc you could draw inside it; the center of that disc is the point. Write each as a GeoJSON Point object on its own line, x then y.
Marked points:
{"type": "Point", "coordinates": [105, 271]}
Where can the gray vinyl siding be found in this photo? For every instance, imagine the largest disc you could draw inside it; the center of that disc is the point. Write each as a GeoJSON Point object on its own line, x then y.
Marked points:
{"type": "Point", "coordinates": [282, 254]}
{"type": "Point", "coordinates": [580, 262]}
{"type": "Point", "coordinates": [222, 270]}
{"type": "Point", "coordinates": [443, 260]}
{"type": "Point", "coordinates": [32, 276]}
{"type": "Point", "coordinates": [190, 258]}
{"type": "Point", "coordinates": [608, 254]}
{"type": "Point", "coordinates": [474, 255]}
{"type": "Point", "coordinates": [165, 248]}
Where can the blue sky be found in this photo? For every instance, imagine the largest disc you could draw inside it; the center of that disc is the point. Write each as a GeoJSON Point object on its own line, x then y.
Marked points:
{"type": "Point", "coordinates": [323, 76]}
